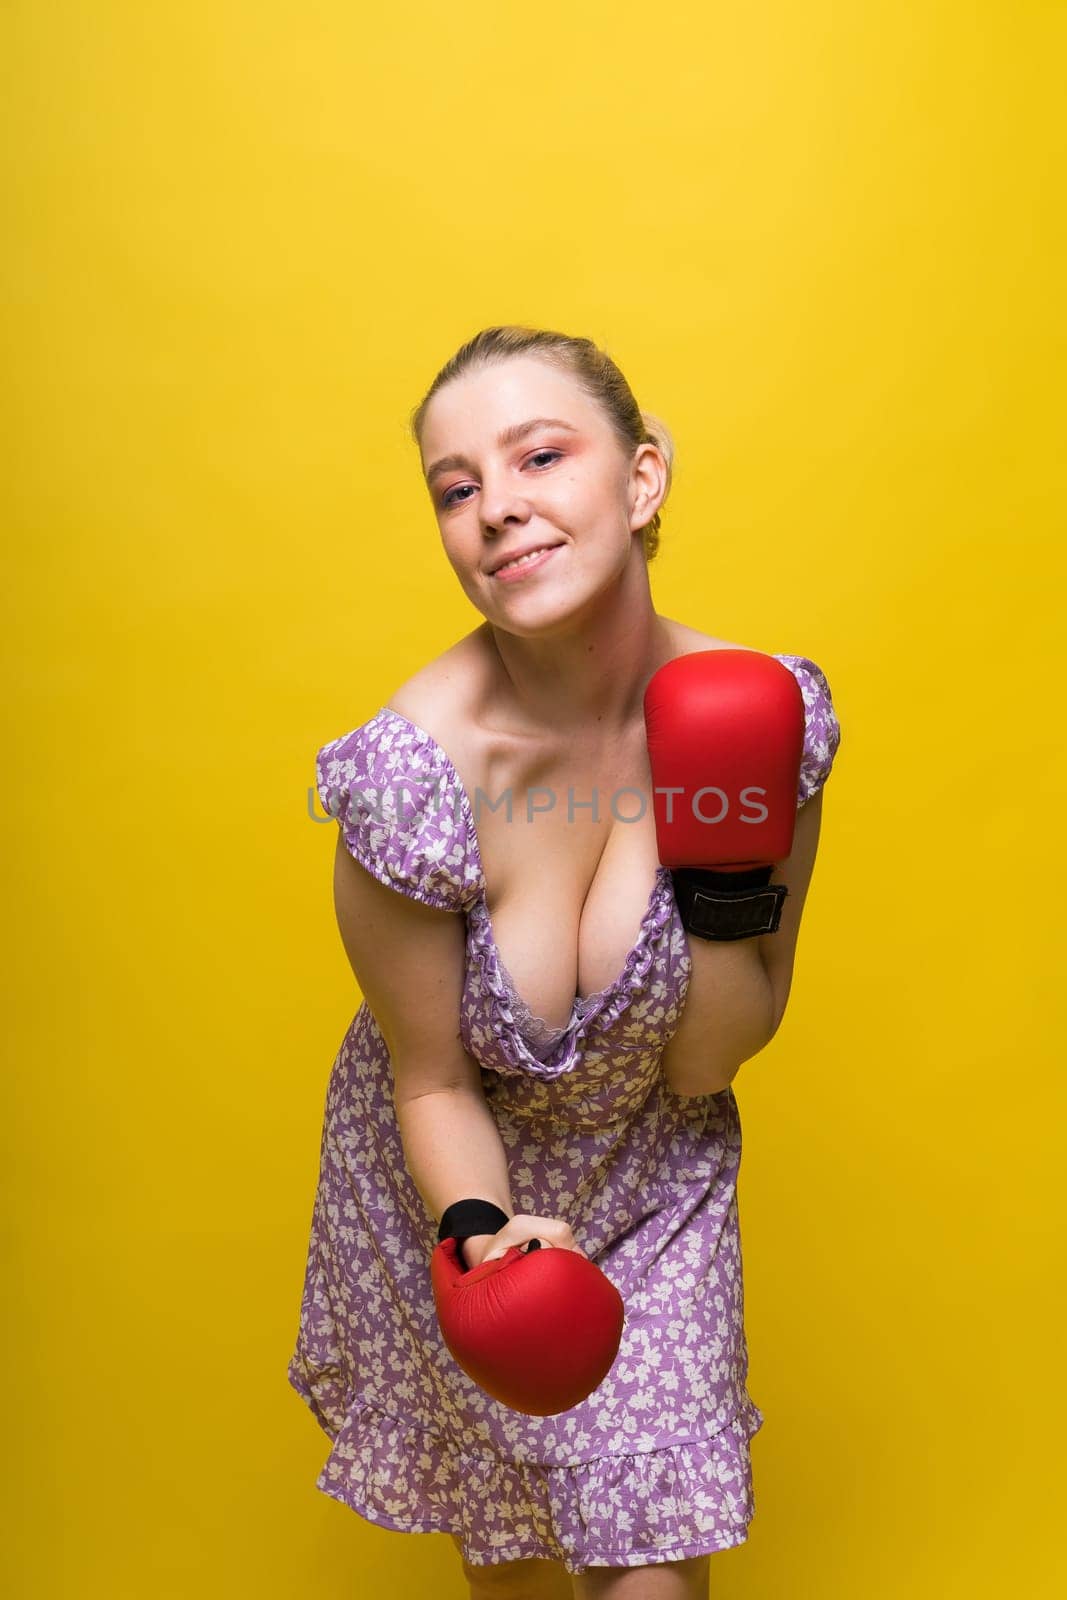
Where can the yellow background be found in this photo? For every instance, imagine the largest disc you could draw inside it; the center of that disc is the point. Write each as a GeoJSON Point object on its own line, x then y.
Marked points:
{"type": "Point", "coordinates": [826, 243]}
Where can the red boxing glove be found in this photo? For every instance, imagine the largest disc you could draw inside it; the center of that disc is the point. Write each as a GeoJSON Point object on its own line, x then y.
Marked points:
{"type": "Point", "coordinates": [725, 733]}
{"type": "Point", "coordinates": [537, 1331]}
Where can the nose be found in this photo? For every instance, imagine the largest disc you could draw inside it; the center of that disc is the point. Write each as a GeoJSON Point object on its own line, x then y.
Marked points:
{"type": "Point", "coordinates": [501, 502]}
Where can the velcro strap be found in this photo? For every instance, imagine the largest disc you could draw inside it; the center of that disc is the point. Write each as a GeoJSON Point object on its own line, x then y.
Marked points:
{"type": "Point", "coordinates": [721, 913]}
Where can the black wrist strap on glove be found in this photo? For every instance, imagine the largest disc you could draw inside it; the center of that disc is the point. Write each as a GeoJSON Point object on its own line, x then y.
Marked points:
{"type": "Point", "coordinates": [467, 1217]}
{"type": "Point", "coordinates": [728, 905]}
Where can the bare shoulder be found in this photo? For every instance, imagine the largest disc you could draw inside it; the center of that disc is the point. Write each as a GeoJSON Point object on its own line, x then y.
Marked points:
{"type": "Point", "coordinates": [441, 695]}
{"type": "Point", "coordinates": [688, 640]}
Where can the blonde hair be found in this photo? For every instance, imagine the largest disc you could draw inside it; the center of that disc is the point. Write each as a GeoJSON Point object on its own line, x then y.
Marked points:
{"type": "Point", "coordinates": [590, 366]}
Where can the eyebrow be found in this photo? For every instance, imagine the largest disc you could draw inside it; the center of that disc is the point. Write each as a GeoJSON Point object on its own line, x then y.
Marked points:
{"type": "Point", "coordinates": [511, 435]}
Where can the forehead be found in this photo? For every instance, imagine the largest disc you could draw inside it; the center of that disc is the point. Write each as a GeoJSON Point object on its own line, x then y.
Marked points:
{"type": "Point", "coordinates": [472, 409]}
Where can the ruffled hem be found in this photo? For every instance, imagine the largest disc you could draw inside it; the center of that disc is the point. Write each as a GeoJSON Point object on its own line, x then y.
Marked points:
{"type": "Point", "coordinates": [637, 1510]}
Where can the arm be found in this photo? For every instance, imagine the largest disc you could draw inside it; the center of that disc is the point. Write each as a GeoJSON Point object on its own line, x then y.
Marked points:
{"type": "Point", "coordinates": [409, 961]}
{"type": "Point", "coordinates": [738, 989]}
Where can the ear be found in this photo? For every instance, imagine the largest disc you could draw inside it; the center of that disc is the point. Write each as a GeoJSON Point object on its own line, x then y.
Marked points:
{"type": "Point", "coordinates": [648, 484]}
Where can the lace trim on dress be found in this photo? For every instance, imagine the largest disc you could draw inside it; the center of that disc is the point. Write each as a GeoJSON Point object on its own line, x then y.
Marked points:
{"type": "Point", "coordinates": [538, 1034]}
{"type": "Point", "coordinates": [603, 1008]}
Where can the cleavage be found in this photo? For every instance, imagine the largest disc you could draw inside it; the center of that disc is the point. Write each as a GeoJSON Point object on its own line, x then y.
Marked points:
{"type": "Point", "coordinates": [563, 928]}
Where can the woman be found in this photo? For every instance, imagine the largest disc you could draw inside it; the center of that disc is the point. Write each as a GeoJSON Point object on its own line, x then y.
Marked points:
{"type": "Point", "coordinates": [537, 1028]}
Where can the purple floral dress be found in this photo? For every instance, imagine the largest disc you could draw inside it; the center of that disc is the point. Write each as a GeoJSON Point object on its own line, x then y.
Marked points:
{"type": "Point", "coordinates": [654, 1466]}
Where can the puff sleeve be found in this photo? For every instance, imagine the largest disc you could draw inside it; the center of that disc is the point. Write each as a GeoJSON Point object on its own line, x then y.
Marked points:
{"type": "Point", "coordinates": [402, 810]}
{"type": "Point", "coordinates": [822, 731]}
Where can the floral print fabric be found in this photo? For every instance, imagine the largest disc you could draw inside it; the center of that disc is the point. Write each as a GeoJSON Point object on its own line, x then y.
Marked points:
{"type": "Point", "coordinates": [654, 1466]}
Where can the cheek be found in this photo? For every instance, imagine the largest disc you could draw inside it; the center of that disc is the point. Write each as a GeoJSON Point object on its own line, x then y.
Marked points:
{"type": "Point", "coordinates": [456, 550]}
{"type": "Point", "coordinates": [465, 563]}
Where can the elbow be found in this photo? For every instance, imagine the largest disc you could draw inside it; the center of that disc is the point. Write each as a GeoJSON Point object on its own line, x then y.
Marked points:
{"type": "Point", "coordinates": [709, 1077]}
{"type": "Point", "coordinates": [774, 1022]}
{"type": "Point", "coordinates": [736, 1068]}
{"type": "Point", "coordinates": [708, 1085]}
{"type": "Point", "coordinates": [711, 1074]}
{"type": "Point", "coordinates": [704, 1057]}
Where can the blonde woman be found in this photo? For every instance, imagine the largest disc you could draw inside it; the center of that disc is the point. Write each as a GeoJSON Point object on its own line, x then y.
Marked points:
{"type": "Point", "coordinates": [541, 1031]}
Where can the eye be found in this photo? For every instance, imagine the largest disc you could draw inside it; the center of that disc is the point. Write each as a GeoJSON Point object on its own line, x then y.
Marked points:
{"type": "Point", "coordinates": [450, 500]}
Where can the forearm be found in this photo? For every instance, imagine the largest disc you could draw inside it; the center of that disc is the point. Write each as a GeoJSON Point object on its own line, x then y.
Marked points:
{"type": "Point", "coordinates": [453, 1150]}
{"type": "Point", "coordinates": [728, 1016]}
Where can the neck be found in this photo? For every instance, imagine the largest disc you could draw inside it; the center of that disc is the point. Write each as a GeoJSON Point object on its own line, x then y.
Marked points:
{"type": "Point", "coordinates": [587, 676]}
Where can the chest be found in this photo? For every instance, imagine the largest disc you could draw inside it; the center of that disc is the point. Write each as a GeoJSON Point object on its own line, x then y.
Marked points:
{"type": "Point", "coordinates": [568, 847]}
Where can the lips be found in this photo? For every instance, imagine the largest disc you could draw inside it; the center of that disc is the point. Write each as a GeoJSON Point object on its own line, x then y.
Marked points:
{"type": "Point", "coordinates": [516, 555]}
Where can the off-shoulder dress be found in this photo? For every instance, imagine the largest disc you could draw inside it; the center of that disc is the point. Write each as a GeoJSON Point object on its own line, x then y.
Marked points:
{"type": "Point", "coordinates": [654, 1466]}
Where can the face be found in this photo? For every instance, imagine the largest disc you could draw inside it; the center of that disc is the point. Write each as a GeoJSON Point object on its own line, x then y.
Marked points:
{"type": "Point", "coordinates": [503, 483]}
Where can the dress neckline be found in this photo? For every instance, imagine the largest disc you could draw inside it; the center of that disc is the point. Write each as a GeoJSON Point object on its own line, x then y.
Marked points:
{"type": "Point", "coordinates": [583, 1007]}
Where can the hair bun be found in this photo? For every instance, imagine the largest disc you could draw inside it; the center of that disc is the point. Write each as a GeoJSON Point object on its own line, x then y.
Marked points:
{"type": "Point", "coordinates": [659, 434]}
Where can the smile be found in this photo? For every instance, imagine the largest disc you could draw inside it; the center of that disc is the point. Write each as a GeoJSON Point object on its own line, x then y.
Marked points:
{"type": "Point", "coordinates": [525, 564]}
